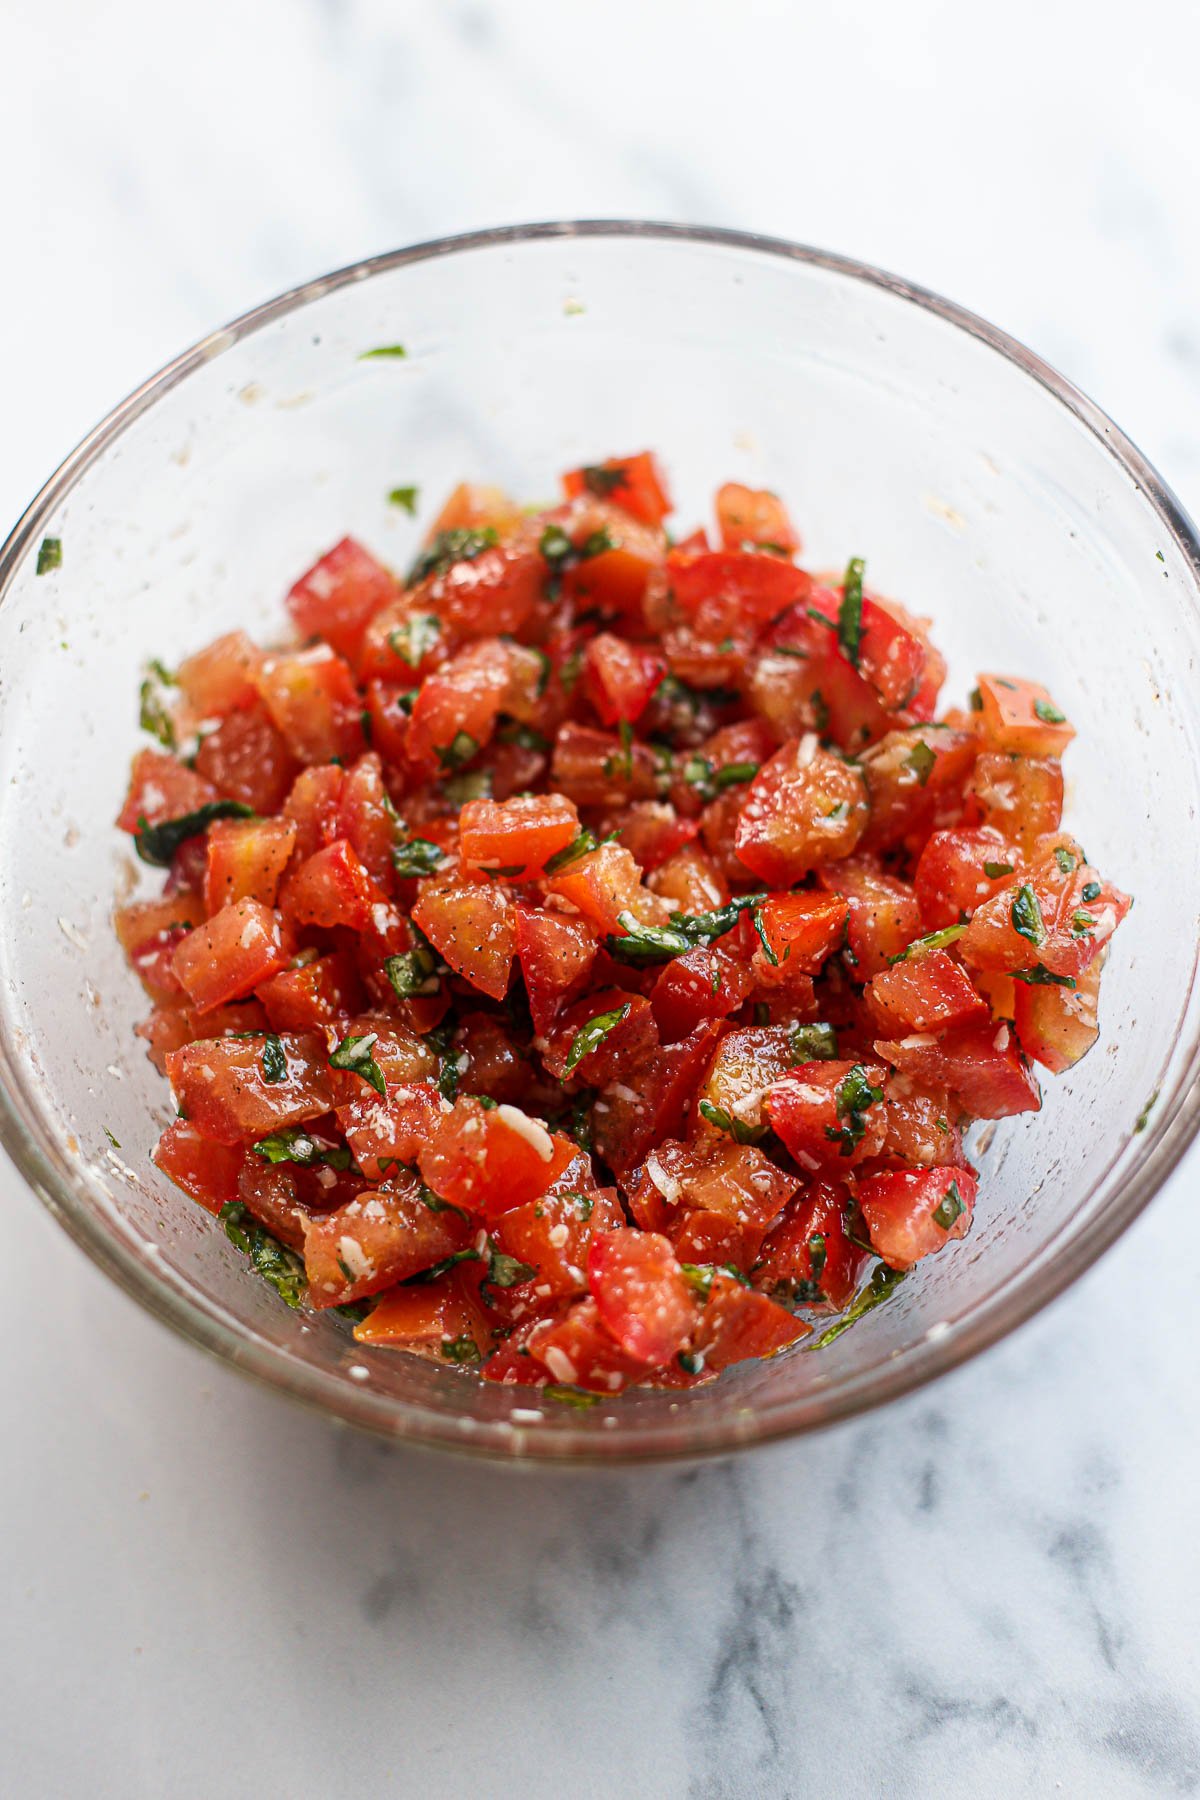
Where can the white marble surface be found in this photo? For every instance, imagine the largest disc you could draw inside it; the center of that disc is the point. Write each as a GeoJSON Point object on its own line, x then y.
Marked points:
{"type": "Point", "coordinates": [991, 1589]}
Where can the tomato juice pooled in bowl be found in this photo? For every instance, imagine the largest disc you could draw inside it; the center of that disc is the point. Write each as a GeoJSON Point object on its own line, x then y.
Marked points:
{"type": "Point", "coordinates": [579, 961]}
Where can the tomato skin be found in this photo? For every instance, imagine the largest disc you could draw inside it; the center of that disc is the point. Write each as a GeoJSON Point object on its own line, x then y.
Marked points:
{"type": "Point", "coordinates": [150, 931]}
{"type": "Point", "coordinates": [803, 929]}
{"type": "Point", "coordinates": [472, 926]}
{"type": "Point", "coordinates": [161, 788]}
{"type": "Point", "coordinates": [753, 516]}
{"type": "Point", "coordinates": [620, 677]}
{"type": "Point", "coordinates": [635, 483]}
{"type": "Point", "coordinates": [246, 860]}
{"type": "Point", "coordinates": [206, 1171]}
{"type": "Point", "coordinates": [230, 954]}
{"type": "Point", "coordinates": [220, 1085]}
{"type": "Point", "coordinates": [651, 1101]}
{"type": "Point", "coordinates": [738, 1323]}
{"type": "Point", "coordinates": [518, 836]}
{"type": "Point", "coordinates": [247, 759]}
{"type": "Point", "coordinates": [1011, 720]}
{"type": "Point", "coordinates": [366, 820]}
{"type": "Point", "coordinates": [805, 807]}
{"type": "Point", "coordinates": [722, 590]}
{"type": "Point", "coordinates": [489, 1160]}
{"type": "Point", "coordinates": [384, 1235]}
{"type": "Point", "coordinates": [803, 1109]}
{"type": "Point", "coordinates": [629, 1040]}
{"type": "Point", "coordinates": [555, 954]}
{"type": "Point", "coordinates": [701, 984]}
{"type": "Point", "coordinates": [951, 877]}
{"type": "Point", "coordinates": [1057, 1026]}
{"type": "Point", "coordinates": [553, 1236]}
{"type": "Point", "coordinates": [493, 594]}
{"type": "Point", "coordinates": [980, 1065]}
{"type": "Point", "coordinates": [640, 1293]}
{"type": "Point", "coordinates": [326, 991]}
{"type": "Point", "coordinates": [464, 696]}
{"type": "Point", "coordinates": [787, 1252]}
{"type": "Point", "coordinates": [220, 678]}
{"type": "Point", "coordinates": [338, 596]}
{"type": "Point", "coordinates": [313, 704]}
{"type": "Point", "coordinates": [926, 993]}
{"type": "Point", "coordinates": [898, 1208]}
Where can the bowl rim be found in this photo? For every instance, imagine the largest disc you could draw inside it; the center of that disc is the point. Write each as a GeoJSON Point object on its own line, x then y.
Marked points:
{"type": "Point", "coordinates": [1167, 1137]}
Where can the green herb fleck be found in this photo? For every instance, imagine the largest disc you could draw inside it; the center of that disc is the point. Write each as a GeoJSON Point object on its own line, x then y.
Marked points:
{"type": "Point", "coordinates": [641, 945]}
{"type": "Point", "coordinates": [462, 1349]}
{"type": "Point", "coordinates": [382, 350]}
{"type": "Point", "coordinates": [590, 1036]}
{"type": "Point", "coordinates": [883, 1282]}
{"type": "Point", "coordinates": [854, 1095]}
{"type": "Point", "coordinates": [413, 640]}
{"type": "Point", "coordinates": [155, 713]}
{"type": "Point", "coordinates": [1091, 892]}
{"type": "Point", "coordinates": [278, 1265]}
{"type": "Point", "coordinates": [602, 481]}
{"type": "Point", "coordinates": [813, 1043]}
{"type": "Point", "coordinates": [1048, 713]}
{"type": "Point", "coordinates": [49, 555]}
{"type": "Point", "coordinates": [112, 1140]}
{"type": "Point", "coordinates": [1027, 916]}
{"type": "Point", "coordinates": [569, 1396]}
{"type": "Point", "coordinates": [405, 497]}
{"type": "Point", "coordinates": [922, 761]}
{"type": "Point", "coordinates": [1041, 977]}
{"type": "Point", "coordinates": [505, 1271]}
{"type": "Point", "coordinates": [157, 844]}
{"type": "Point", "coordinates": [448, 548]}
{"type": "Point", "coordinates": [274, 1063]}
{"type": "Point", "coordinates": [849, 625]}
{"type": "Point", "coordinates": [417, 856]}
{"type": "Point", "coordinates": [950, 1207]}
{"type": "Point", "coordinates": [736, 1128]}
{"type": "Point", "coordinates": [353, 1055]}
{"type": "Point", "coordinates": [934, 940]}
{"type": "Point", "coordinates": [295, 1145]}
{"type": "Point", "coordinates": [461, 748]}
{"type": "Point", "coordinates": [1144, 1116]}
{"type": "Point", "coordinates": [994, 870]}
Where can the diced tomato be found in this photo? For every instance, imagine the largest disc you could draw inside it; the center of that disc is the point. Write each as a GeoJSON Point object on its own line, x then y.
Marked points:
{"type": "Point", "coordinates": [828, 1113]}
{"type": "Point", "coordinates": [384, 1235]}
{"type": "Point", "coordinates": [386, 723]}
{"type": "Point", "coordinates": [912, 1212]}
{"type": "Point", "coordinates": [748, 1061]}
{"type": "Point", "coordinates": [552, 1236]}
{"type": "Point", "coordinates": [339, 595]}
{"type": "Point", "coordinates": [884, 916]}
{"type": "Point", "coordinates": [384, 1133]}
{"type": "Point", "coordinates": [640, 1293]}
{"type": "Point", "coordinates": [805, 807]}
{"type": "Point", "coordinates": [488, 1160]}
{"type": "Point", "coordinates": [516, 838]}
{"type": "Point", "coordinates": [690, 881]}
{"type": "Point", "coordinates": [1044, 921]}
{"type": "Point", "coordinates": [957, 870]}
{"type": "Point", "coordinates": [802, 929]}
{"type": "Point", "coordinates": [723, 589]}
{"type": "Point", "coordinates": [1020, 716]}
{"type": "Point", "coordinates": [580, 1350]}
{"type": "Point", "coordinates": [754, 516]}
{"type": "Point", "coordinates": [555, 954]}
{"type": "Point", "coordinates": [651, 1101]}
{"type": "Point", "coordinates": [1058, 1025]}
{"type": "Point", "coordinates": [889, 655]}
{"type": "Point", "coordinates": [246, 860]}
{"type": "Point", "coordinates": [438, 1319]}
{"type": "Point", "coordinates": [620, 677]}
{"type": "Point", "coordinates": [925, 992]}
{"type": "Point", "coordinates": [324, 991]}
{"type": "Point", "coordinates": [367, 819]}
{"type": "Point", "coordinates": [150, 931]}
{"type": "Point", "coordinates": [809, 1250]}
{"type": "Point", "coordinates": [911, 775]}
{"type": "Point", "coordinates": [738, 1323]}
{"type": "Point", "coordinates": [980, 1065]}
{"type": "Point", "coordinates": [595, 1038]}
{"type": "Point", "coordinates": [314, 704]}
{"type": "Point", "coordinates": [456, 709]}
{"type": "Point", "coordinates": [473, 506]}
{"type": "Point", "coordinates": [633, 482]}
{"type": "Point", "coordinates": [472, 926]}
{"type": "Point", "coordinates": [603, 885]}
{"type": "Point", "coordinates": [595, 768]}
{"type": "Point", "coordinates": [488, 595]}
{"type": "Point", "coordinates": [331, 888]}
{"type": "Point", "coordinates": [704, 983]}
{"type": "Point", "coordinates": [653, 833]}
{"type": "Point", "coordinates": [314, 804]}
{"type": "Point", "coordinates": [1019, 796]}
{"type": "Point", "coordinates": [247, 759]}
{"type": "Point", "coordinates": [799, 681]}
{"type": "Point", "coordinates": [613, 579]}
{"type": "Point", "coordinates": [220, 678]}
{"type": "Point", "coordinates": [222, 1087]}
{"type": "Point", "coordinates": [230, 954]}
{"type": "Point", "coordinates": [161, 788]}
{"type": "Point", "coordinates": [207, 1171]}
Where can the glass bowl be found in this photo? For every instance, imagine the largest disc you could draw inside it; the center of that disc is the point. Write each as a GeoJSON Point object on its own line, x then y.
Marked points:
{"type": "Point", "coordinates": [982, 489]}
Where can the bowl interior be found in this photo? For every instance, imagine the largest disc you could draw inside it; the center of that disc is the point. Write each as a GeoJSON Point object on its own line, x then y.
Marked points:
{"type": "Point", "coordinates": [975, 494]}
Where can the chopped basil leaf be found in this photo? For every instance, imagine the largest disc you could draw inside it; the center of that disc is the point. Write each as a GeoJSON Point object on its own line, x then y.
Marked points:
{"type": "Point", "coordinates": [274, 1059]}
{"type": "Point", "coordinates": [737, 1129]}
{"type": "Point", "coordinates": [157, 844]}
{"type": "Point", "coordinates": [921, 760]}
{"type": "Point", "coordinates": [1049, 713]}
{"type": "Point", "coordinates": [854, 1095]}
{"type": "Point", "coordinates": [437, 1269]}
{"type": "Point", "coordinates": [702, 928]}
{"type": "Point", "coordinates": [1027, 916]}
{"type": "Point", "coordinates": [596, 543]}
{"type": "Point", "coordinates": [569, 1396]}
{"type": "Point", "coordinates": [417, 856]}
{"type": "Point", "coordinates": [435, 1204]}
{"type": "Point", "coordinates": [950, 1208]}
{"type": "Point", "coordinates": [355, 1310]}
{"type": "Point", "coordinates": [49, 555]}
{"type": "Point", "coordinates": [849, 625]}
{"type": "Point", "coordinates": [278, 1265]}
{"type": "Point", "coordinates": [353, 1055]}
{"type": "Point", "coordinates": [382, 350]}
{"type": "Point", "coordinates": [883, 1282]}
{"type": "Point", "coordinates": [934, 940]}
{"type": "Point", "coordinates": [816, 1256]}
{"type": "Point", "coordinates": [994, 870]}
{"type": "Point", "coordinates": [813, 1043]}
{"type": "Point", "coordinates": [708, 782]}
{"type": "Point", "coordinates": [405, 497]}
{"type": "Point", "coordinates": [505, 1271]}
{"type": "Point", "coordinates": [1064, 859]}
{"type": "Point", "coordinates": [692, 1363]}
{"type": "Point", "coordinates": [644, 944]}
{"type": "Point", "coordinates": [471, 784]}
{"type": "Point", "coordinates": [295, 1145]}
{"type": "Point", "coordinates": [590, 1036]}
{"type": "Point", "coordinates": [461, 748]}
{"type": "Point", "coordinates": [1143, 1118]}
{"type": "Point", "coordinates": [1091, 892]}
{"type": "Point", "coordinates": [524, 735]}
{"type": "Point", "coordinates": [1041, 977]}
{"type": "Point", "coordinates": [413, 640]}
{"type": "Point", "coordinates": [700, 1276]}
{"type": "Point", "coordinates": [448, 548]}
{"type": "Point", "coordinates": [555, 546]}
{"type": "Point", "coordinates": [462, 1349]}
{"type": "Point", "coordinates": [154, 715]}
{"type": "Point", "coordinates": [583, 845]}
{"type": "Point", "coordinates": [412, 972]}
{"type": "Point", "coordinates": [1082, 923]}
{"type": "Point", "coordinates": [975, 700]}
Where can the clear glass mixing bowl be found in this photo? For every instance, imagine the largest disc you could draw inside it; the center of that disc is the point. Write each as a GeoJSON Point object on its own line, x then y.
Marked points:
{"type": "Point", "coordinates": [982, 488]}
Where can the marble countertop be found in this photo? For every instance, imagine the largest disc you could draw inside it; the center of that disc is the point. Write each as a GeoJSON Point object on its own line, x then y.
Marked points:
{"type": "Point", "coordinates": [992, 1587]}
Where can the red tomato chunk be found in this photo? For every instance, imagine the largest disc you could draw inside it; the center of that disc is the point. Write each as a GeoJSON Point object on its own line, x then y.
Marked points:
{"type": "Point", "coordinates": [581, 951]}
